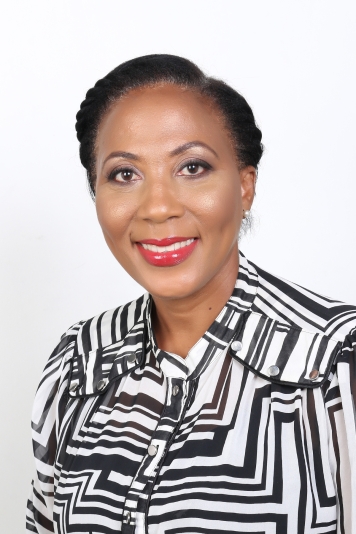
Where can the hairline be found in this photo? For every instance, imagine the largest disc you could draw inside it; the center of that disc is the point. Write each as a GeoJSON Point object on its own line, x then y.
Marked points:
{"type": "Point", "coordinates": [198, 89]}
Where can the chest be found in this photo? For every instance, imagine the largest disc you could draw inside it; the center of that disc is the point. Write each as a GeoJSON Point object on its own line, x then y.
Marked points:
{"type": "Point", "coordinates": [157, 454]}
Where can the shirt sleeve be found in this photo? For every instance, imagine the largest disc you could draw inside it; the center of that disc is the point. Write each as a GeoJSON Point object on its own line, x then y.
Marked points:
{"type": "Point", "coordinates": [49, 404]}
{"type": "Point", "coordinates": [340, 406]}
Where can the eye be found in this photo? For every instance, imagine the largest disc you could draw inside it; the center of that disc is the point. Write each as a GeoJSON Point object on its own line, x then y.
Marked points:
{"type": "Point", "coordinates": [194, 168]}
{"type": "Point", "coordinates": [123, 175]}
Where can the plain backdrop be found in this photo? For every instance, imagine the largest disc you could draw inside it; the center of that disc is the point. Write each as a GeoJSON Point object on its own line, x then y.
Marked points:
{"type": "Point", "coordinates": [295, 64]}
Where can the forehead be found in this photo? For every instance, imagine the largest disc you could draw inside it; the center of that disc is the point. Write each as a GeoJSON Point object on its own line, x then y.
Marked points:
{"type": "Point", "coordinates": [161, 117]}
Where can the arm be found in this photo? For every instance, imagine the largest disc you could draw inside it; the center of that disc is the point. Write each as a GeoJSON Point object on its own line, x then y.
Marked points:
{"type": "Point", "coordinates": [49, 405]}
{"type": "Point", "coordinates": [340, 405]}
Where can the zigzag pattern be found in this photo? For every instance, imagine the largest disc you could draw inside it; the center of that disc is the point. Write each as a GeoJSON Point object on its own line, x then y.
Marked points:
{"type": "Point", "coordinates": [128, 438]}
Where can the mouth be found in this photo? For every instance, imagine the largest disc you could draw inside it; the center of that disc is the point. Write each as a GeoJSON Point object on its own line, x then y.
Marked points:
{"type": "Point", "coordinates": [167, 252]}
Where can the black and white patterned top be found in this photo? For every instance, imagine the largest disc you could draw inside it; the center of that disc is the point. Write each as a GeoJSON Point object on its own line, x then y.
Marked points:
{"type": "Point", "coordinates": [253, 432]}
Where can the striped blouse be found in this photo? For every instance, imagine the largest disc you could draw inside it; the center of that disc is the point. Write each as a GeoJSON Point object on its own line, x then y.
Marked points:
{"type": "Point", "coordinates": [254, 431]}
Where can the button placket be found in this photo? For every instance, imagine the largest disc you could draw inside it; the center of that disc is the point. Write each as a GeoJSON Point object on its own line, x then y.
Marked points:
{"type": "Point", "coordinates": [152, 450]}
{"type": "Point", "coordinates": [187, 390]}
{"type": "Point", "coordinates": [157, 448]}
{"type": "Point", "coordinates": [127, 517]}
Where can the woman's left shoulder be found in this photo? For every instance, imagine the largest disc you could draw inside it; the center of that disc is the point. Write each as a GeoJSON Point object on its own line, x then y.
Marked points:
{"type": "Point", "coordinates": [291, 303]}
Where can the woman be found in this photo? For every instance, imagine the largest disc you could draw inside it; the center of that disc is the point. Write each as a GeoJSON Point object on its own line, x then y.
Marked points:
{"type": "Point", "coordinates": [222, 400]}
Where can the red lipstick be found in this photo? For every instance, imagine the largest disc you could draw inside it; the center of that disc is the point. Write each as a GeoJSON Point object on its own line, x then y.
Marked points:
{"type": "Point", "coordinates": [153, 252]}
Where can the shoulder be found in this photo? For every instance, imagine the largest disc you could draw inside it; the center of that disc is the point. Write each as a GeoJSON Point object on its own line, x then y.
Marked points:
{"type": "Point", "coordinates": [104, 329]}
{"type": "Point", "coordinates": [111, 326]}
{"type": "Point", "coordinates": [89, 340]}
{"type": "Point", "coordinates": [290, 334]}
{"type": "Point", "coordinates": [294, 305]}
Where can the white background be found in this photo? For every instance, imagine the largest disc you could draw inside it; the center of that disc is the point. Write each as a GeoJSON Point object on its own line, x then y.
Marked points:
{"type": "Point", "coordinates": [295, 64]}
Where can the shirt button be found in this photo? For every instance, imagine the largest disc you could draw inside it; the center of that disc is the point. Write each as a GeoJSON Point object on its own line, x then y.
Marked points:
{"type": "Point", "coordinates": [152, 450]}
{"type": "Point", "coordinates": [175, 390]}
{"type": "Point", "coordinates": [131, 358]}
{"type": "Point", "coordinates": [127, 517]}
{"type": "Point", "coordinates": [273, 370]}
{"type": "Point", "coordinates": [102, 383]}
{"type": "Point", "coordinates": [236, 346]}
{"type": "Point", "coordinates": [314, 374]}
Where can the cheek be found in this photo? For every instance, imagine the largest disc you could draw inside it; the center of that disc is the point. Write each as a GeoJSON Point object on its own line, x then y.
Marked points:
{"type": "Point", "coordinates": [114, 217]}
{"type": "Point", "coordinates": [219, 208]}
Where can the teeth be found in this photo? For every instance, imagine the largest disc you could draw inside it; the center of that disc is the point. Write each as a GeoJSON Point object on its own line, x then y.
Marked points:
{"type": "Point", "coordinates": [174, 246]}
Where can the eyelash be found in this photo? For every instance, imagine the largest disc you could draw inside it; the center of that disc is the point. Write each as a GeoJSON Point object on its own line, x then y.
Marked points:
{"type": "Point", "coordinates": [111, 176]}
{"type": "Point", "coordinates": [199, 163]}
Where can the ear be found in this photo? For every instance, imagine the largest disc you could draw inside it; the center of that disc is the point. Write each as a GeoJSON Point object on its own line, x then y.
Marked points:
{"type": "Point", "coordinates": [248, 177]}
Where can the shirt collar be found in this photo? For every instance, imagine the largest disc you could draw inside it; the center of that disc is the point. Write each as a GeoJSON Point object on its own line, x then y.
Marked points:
{"type": "Point", "coordinates": [218, 336]}
{"type": "Point", "coordinates": [277, 351]}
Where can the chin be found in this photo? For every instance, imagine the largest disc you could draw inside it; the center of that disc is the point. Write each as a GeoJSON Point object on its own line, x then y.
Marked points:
{"type": "Point", "coordinates": [166, 286]}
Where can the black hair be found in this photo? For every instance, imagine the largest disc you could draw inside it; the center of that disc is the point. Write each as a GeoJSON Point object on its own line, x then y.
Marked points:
{"type": "Point", "coordinates": [164, 68]}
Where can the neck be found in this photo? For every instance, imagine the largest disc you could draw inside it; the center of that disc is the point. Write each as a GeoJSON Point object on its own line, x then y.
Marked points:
{"type": "Point", "coordinates": [179, 323]}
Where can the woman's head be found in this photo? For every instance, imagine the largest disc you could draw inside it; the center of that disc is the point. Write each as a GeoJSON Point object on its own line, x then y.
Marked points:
{"type": "Point", "coordinates": [159, 69]}
{"type": "Point", "coordinates": [171, 155]}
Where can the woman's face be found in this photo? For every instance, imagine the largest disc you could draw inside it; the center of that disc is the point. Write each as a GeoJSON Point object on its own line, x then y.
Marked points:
{"type": "Point", "coordinates": [167, 176]}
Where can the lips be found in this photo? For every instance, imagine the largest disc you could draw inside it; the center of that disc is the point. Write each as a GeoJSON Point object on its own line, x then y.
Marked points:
{"type": "Point", "coordinates": [167, 252]}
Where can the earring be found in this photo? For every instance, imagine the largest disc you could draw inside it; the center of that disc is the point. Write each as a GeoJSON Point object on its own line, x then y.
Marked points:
{"type": "Point", "coordinates": [246, 214]}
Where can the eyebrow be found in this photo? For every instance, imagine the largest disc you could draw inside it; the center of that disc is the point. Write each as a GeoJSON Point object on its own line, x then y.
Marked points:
{"type": "Point", "coordinates": [192, 144]}
{"type": "Point", "coordinates": [179, 150]}
{"type": "Point", "coordinates": [121, 154]}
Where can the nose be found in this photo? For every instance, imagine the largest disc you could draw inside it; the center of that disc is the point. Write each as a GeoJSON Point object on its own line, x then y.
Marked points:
{"type": "Point", "coordinates": [160, 201]}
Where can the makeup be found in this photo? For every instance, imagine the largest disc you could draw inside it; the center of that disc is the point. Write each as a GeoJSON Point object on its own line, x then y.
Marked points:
{"type": "Point", "coordinates": [167, 252]}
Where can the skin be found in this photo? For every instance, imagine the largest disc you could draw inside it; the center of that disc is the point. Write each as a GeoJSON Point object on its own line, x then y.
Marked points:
{"type": "Point", "coordinates": [157, 197]}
